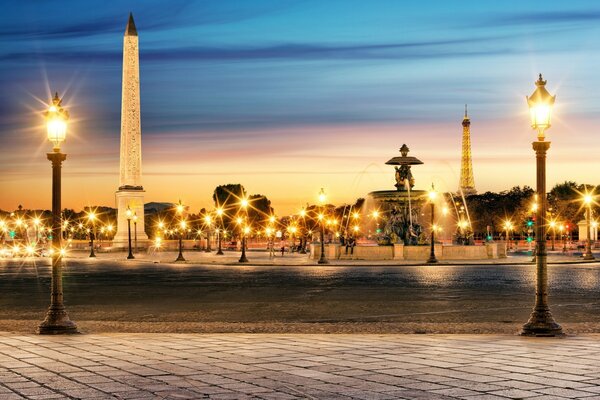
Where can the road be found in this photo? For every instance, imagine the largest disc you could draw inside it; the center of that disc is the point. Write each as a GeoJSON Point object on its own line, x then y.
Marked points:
{"type": "Point", "coordinates": [141, 295]}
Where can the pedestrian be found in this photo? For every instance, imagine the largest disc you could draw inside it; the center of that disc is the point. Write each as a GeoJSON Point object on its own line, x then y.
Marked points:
{"type": "Point", "coordinates": [282, 247]}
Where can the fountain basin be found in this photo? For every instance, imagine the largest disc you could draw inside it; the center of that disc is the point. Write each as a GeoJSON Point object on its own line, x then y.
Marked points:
{"type": "Point", "coordinates": [401, 252]}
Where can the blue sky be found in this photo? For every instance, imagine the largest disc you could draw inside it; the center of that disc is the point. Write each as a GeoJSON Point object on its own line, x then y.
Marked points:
{"type": "Point", "coordinates": [289, 96]}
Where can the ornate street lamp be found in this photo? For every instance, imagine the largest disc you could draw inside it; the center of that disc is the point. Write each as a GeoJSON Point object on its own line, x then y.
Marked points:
{"type": "Point", "coordinates": [432, 195]}
{"type": "Point", "coordinates": [322, 200]}
{"type": "Point", "coordinates": [57, 320]}
{"type": "Point", "coordinates": [208, 223]}
{"type": "Point", "coordinates": [508, 226]}
{"type": "Point", "coordinates": [180, 209]}
{"type": "Point", "coordinates": [220, 215]}
{"type": "Point", "coordinates": [92, 219]}
{"type": "Point", "coordinates": [244, 205]}
{"type": "Point", "coordinates": [588, 200]}
{"type": "Point", "coordinates": [129, 216]}
{"type": "Point", "coordinates": [541, 322]}
{"type": "Point", "coordinates": [552, 225]}
{"type": "Point", "coordinates": [135, 219]}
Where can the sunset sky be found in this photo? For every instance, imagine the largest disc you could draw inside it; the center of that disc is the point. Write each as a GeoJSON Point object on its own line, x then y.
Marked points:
{"type": "Point", "coordinates": [286, 97]}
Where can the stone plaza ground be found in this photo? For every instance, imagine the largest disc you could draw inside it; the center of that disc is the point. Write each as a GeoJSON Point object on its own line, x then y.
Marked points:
{"type": "Point", "coordinates": [259, 366]}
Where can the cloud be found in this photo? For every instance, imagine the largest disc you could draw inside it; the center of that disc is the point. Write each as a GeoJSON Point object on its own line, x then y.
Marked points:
{"type": "Point", "coordinates": [160, 16]}
{"type": "Point", "coordinates": [285, 51]}
{"type": "Point", "coordinates": [542, 18]}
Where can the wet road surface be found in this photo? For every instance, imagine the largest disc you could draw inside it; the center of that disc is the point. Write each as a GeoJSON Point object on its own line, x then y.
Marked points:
{"type": "Point", "coordinates": [103, 290]}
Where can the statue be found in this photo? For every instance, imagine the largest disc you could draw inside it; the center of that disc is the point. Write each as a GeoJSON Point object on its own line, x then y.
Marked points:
{"type": "Point", "coordinates": [404, 176]}
{"type": "Point", "coordinates": [399, 225]}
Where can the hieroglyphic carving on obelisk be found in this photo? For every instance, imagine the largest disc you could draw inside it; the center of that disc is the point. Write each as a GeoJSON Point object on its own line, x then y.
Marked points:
{"type": "Point", "coordinates": [131, 192]}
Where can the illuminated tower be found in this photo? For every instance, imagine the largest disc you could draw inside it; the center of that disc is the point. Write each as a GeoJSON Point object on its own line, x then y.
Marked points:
{"type": "Point", "coordinates": [130, 193]}
{"type": "Point", "coordinates": [467, 182]}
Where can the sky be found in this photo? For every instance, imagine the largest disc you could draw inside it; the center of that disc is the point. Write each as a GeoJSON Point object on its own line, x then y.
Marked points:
{"type": "Point", "coordinates": [286, 97]}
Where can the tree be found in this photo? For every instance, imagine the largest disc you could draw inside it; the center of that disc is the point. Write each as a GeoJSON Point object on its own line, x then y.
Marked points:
{"type": "Point", "coordinates": [228, 198]}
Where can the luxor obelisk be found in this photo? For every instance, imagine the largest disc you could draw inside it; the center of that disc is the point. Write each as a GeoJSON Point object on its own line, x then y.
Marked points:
{"type": "Point", "coordinates": [130, 193]}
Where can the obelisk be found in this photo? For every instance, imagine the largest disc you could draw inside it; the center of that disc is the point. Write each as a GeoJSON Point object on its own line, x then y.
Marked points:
{"type": "Point", "coordinates": [131, 193]}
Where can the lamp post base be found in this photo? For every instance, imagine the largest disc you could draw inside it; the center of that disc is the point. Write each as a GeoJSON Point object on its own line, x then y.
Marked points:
{"type": "Point", "coordinates": [180, 258]}
{"type": "Point", "coordinates": [57, 322]}
{"type": "Point", "coordinates": [542, 324]}
{"type": "Point", "coordinates": [432, 260]}
{"type": "Point", "coordinates": [219, 252]}
{"type": "Point", "coordinates": [243, 259]}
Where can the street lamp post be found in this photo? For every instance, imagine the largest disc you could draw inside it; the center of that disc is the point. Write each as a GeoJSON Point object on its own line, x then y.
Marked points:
{"type": "Point", "coordinates": [322, 200]}
{"type": "Point", "coordinates": [180, 210]}
{"type": "Point", "coordinates": [553, 227]}
{"type": "Point", "coordinates": [135, 218]}
{"type": "Point", "coordinates": [92, 219]}
{"type": "Point", "coordinates": [220, 215]}
{"type": "Point", "coordinates": [541, 322]}
{"type": "Point", "coordinates": [588, 199]}
{"type": "Point", "coordinates": [244, 205]}
{"type": "Point", "coordinates": [57, 320]}
{"type": "Point", "coordinates": [129, 216]}
{"type": "Point", "coordinates": [432, 196]}
{"type": "Point", "coordinates": [208, 221]}
{"type": "Point", "coordinates": [508, 226]}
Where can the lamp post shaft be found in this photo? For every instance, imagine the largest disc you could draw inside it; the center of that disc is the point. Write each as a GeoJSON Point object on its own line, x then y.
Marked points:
{"type": "Point", "coordinates": [92, 237]}
{"type": "Point", "coordinates": [180, 255]}
{"type": "Point", "coordinates": [588, 245]}
{"type": "Point", "coordinates": [135, 235]}
{"type": "Point", "coordinates": [541, 322]}
{"type": "Point", "coordinates": [243, 258]}
{"type": "Point", "coordinates": [57, 320]}
{"type": "Point", "coordinates": [130, 255]}
{"type": "Point", "coordinates": [219, 251]}
{"type": "Point", "coordinates": [322, 259]}
{"type": "Point", "coordinates": [432, 259]}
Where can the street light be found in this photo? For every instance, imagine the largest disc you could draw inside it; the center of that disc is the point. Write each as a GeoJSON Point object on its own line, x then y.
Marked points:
{"type": "Point", "coordinates": [244, 205]}
{"type": "Point", "coordinates": [220, 215]}
{"type": "Point", "coordinates": [541, 322]}
{"type": "Point", "coordinates": [322, 200]}
{"type": "Point", "coordinates": [588, 200]}
{"type": "Point", "coordinates": [432, 195]}
{"type": "Point", "coordinates": [180, 209]}
{"type": "Point", "coordinates": [129, 216]}
{"type": "Point", "coordinates": [92, 219]}
{"type": "Point", "coordinates": [508, 226]}
{"type": "Point", "coordinates": [552, 225]}
{"type": "Point", "coordinates": [57, 320]}
{"type": "Point", "coordinates": [135, 219]}
{"type": "Point", "coordinates": [208, 222]}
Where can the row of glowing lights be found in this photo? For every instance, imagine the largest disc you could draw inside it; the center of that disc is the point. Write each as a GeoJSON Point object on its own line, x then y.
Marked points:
{"type": "Point", "coordinates": [66, 225]}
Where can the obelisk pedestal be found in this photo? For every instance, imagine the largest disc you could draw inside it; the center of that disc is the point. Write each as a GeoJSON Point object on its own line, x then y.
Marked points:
{"type": "Point", "coordinates": [130, 193]}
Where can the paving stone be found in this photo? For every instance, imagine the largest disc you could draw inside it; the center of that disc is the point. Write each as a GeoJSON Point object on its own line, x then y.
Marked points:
{"type": "Point", "coordinates": [270, 366]}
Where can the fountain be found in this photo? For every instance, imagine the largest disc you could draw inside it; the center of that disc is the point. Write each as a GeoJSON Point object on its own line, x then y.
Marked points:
{"type": "Point", "coordinates": [402, 205]}
{"type": "Point", "coordinates": [402, 236]}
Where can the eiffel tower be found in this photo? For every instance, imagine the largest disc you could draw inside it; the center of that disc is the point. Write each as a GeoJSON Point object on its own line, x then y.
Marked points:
{"type": "Point", "coordinates": [467, 182]}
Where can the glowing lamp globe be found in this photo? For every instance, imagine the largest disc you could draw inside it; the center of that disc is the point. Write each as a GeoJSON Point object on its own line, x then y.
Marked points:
{"type": "Point", "coordinates": [540, 107]}
{"type": "Point", "coordinates": [56, 122]}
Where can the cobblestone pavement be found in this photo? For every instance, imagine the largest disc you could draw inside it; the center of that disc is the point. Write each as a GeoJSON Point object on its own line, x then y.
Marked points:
{"type": "Point", "coordinates": [240, 366]}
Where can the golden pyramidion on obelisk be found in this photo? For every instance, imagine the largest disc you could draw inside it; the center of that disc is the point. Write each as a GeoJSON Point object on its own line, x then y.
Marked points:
{"type": "Point", "coordinates": [130, 193]}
